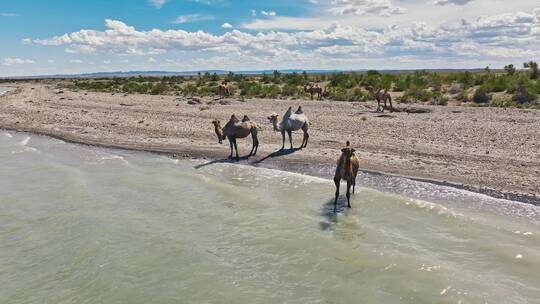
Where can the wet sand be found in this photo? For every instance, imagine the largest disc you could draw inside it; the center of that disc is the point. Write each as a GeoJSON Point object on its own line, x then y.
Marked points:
{"type": "Point", "coordinates": [489, 150]}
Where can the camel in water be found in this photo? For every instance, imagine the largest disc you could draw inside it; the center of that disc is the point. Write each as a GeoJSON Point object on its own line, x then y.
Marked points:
{"type": "Point", "coordinates": [384, 96]}
{"type": "Point", "coordinates": [313, 90]}
{"type": "Point", "coordinates": [347, 169]}
{"type": "Point", "coordinates": [237, 129]}
{"type": "Point", "coordinates": [291, 122]}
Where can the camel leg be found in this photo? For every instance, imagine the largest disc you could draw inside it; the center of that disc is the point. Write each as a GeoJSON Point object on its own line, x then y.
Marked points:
{"type": "Point", "coordinates": [256, 145]}
{"type": "Point", "coordinates": [378, 105]}
{"type": "Point", "coordinates": [391, 106]}
{"type": "Point", "coordinates": [231, 144]}
{"type": "Point", "coordinates": [353, 184]}
{"type": "Point", "coordinates": [337, 179]}
{"type": "Point", "coordinates": [236, 148]}
{"type": "Point", "coordinates": [290, 137]}
{"type": "Point", "coordinates": [283, 136]}
{"type": "Point", "coordinates": [255, 142]}
{"type": "Point", "coordinates": [306, 138]}
{"type": "Point", "coordinates": [349, 193]}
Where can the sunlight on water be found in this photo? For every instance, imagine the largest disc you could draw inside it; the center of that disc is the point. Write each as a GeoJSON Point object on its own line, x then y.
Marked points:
{"type": "Point", "coordinates": [86, 225]}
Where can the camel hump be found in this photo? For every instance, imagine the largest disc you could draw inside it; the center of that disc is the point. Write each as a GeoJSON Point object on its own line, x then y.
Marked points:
{"type": "Point", "coordinates": [246, 118]}
{"type": "Point", "coordinates": [299, 111]}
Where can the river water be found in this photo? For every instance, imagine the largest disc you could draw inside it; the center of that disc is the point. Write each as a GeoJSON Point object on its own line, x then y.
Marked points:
{"type": "Point", "coordinates": [81, 224]}
{"type": "Point", "coordinates": [4, 90]}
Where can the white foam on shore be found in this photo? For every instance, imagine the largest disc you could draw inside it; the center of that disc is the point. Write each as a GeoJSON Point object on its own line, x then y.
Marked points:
{"type": "Point", "coordinates": [25, 141]}
{"type": "Point", "coordinates": [114, 157]}
{"type": "Point", "coordinates": [24, 144]}
{"type": "Point", "coordinates": [248, 171]}
{"type": "Point", "coordinates": [8, 135]}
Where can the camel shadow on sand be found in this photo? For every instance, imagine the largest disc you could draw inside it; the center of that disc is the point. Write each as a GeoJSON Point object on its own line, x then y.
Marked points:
{"type": "Point", "coordinates": [246, 158]}
{"type": "Point", "coordinates": [278, 153]}
{"type": "Point", "coordinates": [223, 161]}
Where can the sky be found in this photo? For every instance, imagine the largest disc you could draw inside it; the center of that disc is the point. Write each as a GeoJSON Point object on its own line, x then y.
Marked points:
{"type": "Point", "coordinates": [75, 36]}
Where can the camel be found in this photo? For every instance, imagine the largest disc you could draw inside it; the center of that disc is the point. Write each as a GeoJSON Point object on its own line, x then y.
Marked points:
{"type": "Point", "coordinates": [218, 130]}
{"type": "Point", "coordinates": [347, 169]}
{"type": "Point", "coordinates": [237, 129]}
{"type": "Point", "coordinates": [313, 90]}
{"type": "Point", "coordinates": [224, 90]}
{"type": "Point", "coordinates": [381, 95]}
{"type": "Point", "coordinates": [291, 122]}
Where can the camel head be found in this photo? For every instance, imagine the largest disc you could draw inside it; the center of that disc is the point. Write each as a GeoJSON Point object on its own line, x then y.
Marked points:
{"type": "Point", "coordinates": [273, 117]}
{"type": "Point", "coordinates": [218, 130]}
{"type": "Point", "coordinates": [234, 118]}
{"type": "Point", "coordinates": [348, 151]}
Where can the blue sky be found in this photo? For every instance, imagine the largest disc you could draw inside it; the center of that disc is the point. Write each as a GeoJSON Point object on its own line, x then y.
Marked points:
{"type": "Point", "coordinates": [68, 36]}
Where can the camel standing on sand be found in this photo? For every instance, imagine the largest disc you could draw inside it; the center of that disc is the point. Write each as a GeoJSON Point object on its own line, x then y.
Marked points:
{"type": "Point", "coordinates": [347, 169]}
{"type": "Point", "coordinates": [291, 122]}
{"type": "Point", "coordinates": [237, 129]}
{"type": "Point", "coordinates": [381, 95]}
{"type": "Point", "coordinates": [313, 90]}
{"type": "Point", "coordinates": [224, 90]}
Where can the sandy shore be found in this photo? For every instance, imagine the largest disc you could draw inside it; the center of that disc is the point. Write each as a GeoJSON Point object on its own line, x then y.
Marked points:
{"type": "Point", "coordinates": [491, 150]}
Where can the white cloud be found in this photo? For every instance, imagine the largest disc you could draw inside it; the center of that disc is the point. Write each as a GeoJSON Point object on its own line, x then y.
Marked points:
{"type": "Point", "coordinates": [17, 61]}
{"type": "Point", "coordinates": [8, 15]}
{"type": "Point", "coordinates": [226, 25]}
{"type": "Point", "coordinates": [78, 61]}
{"type": "Point", "coordinates": [454, 2]}
{"type": "Point", "coordinates": [361, 7]}
{"type": "Point", "coordinates": [192, 18]}
{"type": "Point", "coordinates": [269, 13]}
{"type": "Point", "coordinates": [253, 13]}
{"type": "Point", "coordinates": [158, 3]}
{"type": "Point", "coordinates": [156, 51]}
{"type": "Point", "coordinates": [502, 36]}
{"type": "Point", "coordinates": [152, 60]}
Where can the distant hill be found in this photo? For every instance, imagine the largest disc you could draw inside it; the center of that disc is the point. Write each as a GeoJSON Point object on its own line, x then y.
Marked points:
{"type": "Point", "coordinates": [223, 72]}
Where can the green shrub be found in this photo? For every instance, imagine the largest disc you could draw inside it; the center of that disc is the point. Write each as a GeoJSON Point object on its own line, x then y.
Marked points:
{"type": "Point", "coordinates": [439, 100]}
{"type": "Point", "coordinates": [189, 90]}
{"type": "Point", "coordinates": [357, 94]}
{"type": "Point", "coordinates": [270, 91]}
{"type": "Point", "coordinates": [337, 93]}
{"type": "Point", "coordinates": [290, 90]}
{"type": "Point", "coordinates": [525, 91]}
{"type": "Point", "coordinates": [416, 95]}
{"type": "Point", "coordinates": [504, 101]}
{"type": "Point", "coordinates": [481, 96]}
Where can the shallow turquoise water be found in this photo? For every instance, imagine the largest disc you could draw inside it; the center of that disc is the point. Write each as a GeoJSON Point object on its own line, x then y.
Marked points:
{"type": "Point", "coordinates": [81, 224]}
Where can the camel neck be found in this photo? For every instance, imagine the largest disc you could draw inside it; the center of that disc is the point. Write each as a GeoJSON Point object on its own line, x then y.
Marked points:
{"type": "Point", "coordinates": [276, 126]}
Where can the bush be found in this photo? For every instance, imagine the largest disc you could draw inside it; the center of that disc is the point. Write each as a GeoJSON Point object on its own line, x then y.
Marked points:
{"type": "Point", "coordinates": [439, 100]}
{"type": "Point", "coordinates": [270, 91]}
{"type": "Point", "coordinates": [290, 90]}
{"type": "Point", "coordinates": [496, 84]}
{"type": "Point", "coordinates": [504, 101]}
{"type": "Point", "coordinates": [481, 96]}
{"type": "Point", "coordinates": [337, 93]}
{"type": "Point", "coordinates": [357, 94]}
{"type": "Point", "coordinates": [189, 90]}
{"type": "Point", "coordinates": [525, 91]}
{"type": "Point", "coordinates": [416, 95]}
